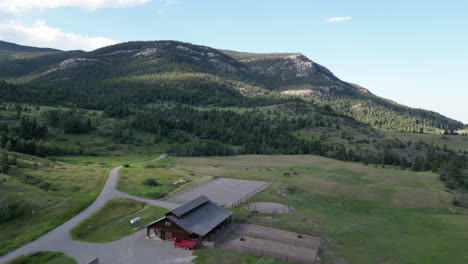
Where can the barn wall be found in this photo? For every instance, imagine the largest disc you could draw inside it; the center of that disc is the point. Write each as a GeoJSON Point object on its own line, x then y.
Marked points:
{"type": "Point", "coordinates": [176, 230]}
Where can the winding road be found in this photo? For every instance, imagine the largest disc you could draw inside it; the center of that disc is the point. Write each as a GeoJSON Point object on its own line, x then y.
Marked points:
{"type": "Point", "coordinates": [135, 248]}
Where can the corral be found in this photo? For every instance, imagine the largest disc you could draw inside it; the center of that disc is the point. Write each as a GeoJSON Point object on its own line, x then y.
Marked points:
{"type": "Point", "coordinates": [271, 242]}
{"type": "Point", "coordinates": [224, 192]}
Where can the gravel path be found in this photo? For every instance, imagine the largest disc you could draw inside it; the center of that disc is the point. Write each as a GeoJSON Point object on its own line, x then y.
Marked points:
{"type": "Point", "coordinates": [132, 249]}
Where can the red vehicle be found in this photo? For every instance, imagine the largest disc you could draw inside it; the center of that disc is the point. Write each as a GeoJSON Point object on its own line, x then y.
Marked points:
{"type": "Point", "coordinates": [184, 243]}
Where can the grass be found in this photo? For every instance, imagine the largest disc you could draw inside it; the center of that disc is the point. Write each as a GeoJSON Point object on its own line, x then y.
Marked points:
{"type": "Point", "coordinates": [75, 183]}
{"type": "Point", "coordinates": [131, 178]}
{"type": "Point", "coordinates": [43, 257]}
{"type": "Point", "coordinates": [222, 256]}
{"type": "Point", "coordinates": [112, 221]}
{"type": "Point", "coordinates": [365, 214]}
{"type": "Point", "coordinates": [72, 188]}
{"type": "Point", "coordinates": [454, 142]}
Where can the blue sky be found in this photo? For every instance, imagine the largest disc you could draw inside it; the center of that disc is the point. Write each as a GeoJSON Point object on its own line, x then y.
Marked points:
{"type": "Point", "coordinates": [413, 52]}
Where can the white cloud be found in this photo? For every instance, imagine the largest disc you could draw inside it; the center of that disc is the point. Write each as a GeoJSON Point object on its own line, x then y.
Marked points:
{"type": "Point", "coordinates": [169, 2]}
{"type": "Point", "coordinates": [21, 6]}
{"type": "Point", "coordinates": [338, 19]}
{"type": "Point", "coordinates": [41, 35]}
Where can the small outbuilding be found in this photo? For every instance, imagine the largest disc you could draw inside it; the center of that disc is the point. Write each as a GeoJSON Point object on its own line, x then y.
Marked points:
{"type": "Point", "coordinates": [195, 220]}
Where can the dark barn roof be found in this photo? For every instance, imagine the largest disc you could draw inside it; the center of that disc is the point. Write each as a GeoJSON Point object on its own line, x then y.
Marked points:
{"type": "Point", "coordinates": [198, 216]}
{"type": "Point", "coordinates": [187, 207]}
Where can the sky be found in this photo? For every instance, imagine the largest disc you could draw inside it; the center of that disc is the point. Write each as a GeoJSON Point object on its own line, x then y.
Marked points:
{"type": "Point", "coordinates": [413, 52]}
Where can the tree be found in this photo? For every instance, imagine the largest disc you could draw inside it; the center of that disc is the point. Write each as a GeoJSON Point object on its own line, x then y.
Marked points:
{"type": "Point", "coordinates": [4, 162]}
{"type": "Point", "coordinates": [9, 146]}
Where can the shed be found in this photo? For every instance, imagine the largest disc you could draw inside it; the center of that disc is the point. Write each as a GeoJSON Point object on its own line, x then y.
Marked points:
{"type": "Point", "coordinates": [195, 220]}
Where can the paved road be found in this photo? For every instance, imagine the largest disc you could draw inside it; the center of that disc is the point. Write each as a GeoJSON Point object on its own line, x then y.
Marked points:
{"type": "Point", "coordinates": [132, 249]}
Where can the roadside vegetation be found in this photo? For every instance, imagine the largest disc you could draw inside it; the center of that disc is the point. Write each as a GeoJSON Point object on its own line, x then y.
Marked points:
{"type": "Point", "coordinates": [365, 214]}
{"type": "Point", "coordinates": [112, 221]}
{"type": "Point", "coordinates": [38, 194]}
{"type": "Point", "coordinates": [43, 257]}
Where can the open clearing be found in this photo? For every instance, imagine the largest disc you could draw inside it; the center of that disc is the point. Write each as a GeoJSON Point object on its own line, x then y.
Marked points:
{"type": "Point", "coordinates": [111, 222]}
{"type": "Point", "coordinates": [131, 179]}
{"type": "Point", "coordinates": [222, 191]}
{"type": "Point", "coordinates": [365, 214]}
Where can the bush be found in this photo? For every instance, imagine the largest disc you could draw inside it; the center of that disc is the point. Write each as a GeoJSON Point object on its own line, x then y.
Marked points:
{"type": "Point", "coordinates": [45, 186]}
{"type": "Point", "coordinates": [10, 209]}
{"type": "Point", "coordinates": [460, 198]}
{"type": "Point", "coordinates": [126, 165]}
{"type": "Point", "coordinates": [150, 182]}
{"type": "Point", "coordinates": [75, 188]}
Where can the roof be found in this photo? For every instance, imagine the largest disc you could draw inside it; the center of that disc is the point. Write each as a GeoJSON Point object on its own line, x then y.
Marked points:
{"type": "Point", "coordinates": [198, 216]}
{"type": "Point", "coordinates": [187, 207]}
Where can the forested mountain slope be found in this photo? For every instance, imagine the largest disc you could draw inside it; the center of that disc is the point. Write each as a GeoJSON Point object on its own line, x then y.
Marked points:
{"type": "Point", "coordinates": [138, 73]}
{"type": "Point", "coordinates": [4, 46]}
{"type": "Point", "coordinates": [203, 101]}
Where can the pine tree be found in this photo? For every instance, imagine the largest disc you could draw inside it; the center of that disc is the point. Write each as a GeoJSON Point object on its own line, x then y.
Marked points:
{"type": "Point", "coordinates": [4, 162]}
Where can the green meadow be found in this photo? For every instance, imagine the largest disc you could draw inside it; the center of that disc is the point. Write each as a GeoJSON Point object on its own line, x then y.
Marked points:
{"type": "Point", "coordinates": [112, 221]}
{"type": "Point", "coordinates": [163, 172]}
{"type": "Point", "coordinates": [364, 214]}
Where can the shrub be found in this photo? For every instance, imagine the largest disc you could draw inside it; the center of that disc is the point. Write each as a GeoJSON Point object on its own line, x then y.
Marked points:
{"type": "Point", "coordinates": [75, 188]}
{"type": "Point", "coordinates": [126, 165]}
{"type": "Point", "coordinates": [10, 209]}
{"type": "Point", "coordinates": [45, 186]}
{"type": "Point", "coordinates": [150, 182]}
{"type": "Point", "coordinates": [155, 195]}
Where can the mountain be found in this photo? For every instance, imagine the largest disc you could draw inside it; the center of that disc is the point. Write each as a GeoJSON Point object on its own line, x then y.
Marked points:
{"type": "Point", "coordinates": [8, 46]}
{"type": "Point", "coordinates": [140, 73]}
{"type": "Point", "coordinates": [194, 100]}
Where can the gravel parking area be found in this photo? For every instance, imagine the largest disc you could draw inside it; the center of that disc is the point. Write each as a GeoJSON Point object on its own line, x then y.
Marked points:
{"type": "Point", "coordinates": [223, 191]}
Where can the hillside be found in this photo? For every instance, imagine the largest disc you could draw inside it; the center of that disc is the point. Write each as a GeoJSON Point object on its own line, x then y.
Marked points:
{"type": "Point", "coordinates": [141, 73]}
{"type": "Point", "coordinates": [201, 101]}
{"type": "Point", "coordinates": [7, 46]}
{"type": "Point", "coordinates": [66, 118]}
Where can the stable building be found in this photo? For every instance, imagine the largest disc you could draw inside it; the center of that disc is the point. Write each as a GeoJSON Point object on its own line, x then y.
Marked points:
{"type": "Point", "coordinates": [195, 220]}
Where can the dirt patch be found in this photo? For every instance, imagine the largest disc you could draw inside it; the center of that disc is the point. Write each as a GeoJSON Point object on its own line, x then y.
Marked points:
{"type": "Point", "coordinates": [271, 242]}
{"type": "Point", "coordinates": [268, 208]}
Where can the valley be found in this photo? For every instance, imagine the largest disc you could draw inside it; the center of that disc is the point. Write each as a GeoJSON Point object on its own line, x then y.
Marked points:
{"type": "Point", "coordinates": [379, 182]}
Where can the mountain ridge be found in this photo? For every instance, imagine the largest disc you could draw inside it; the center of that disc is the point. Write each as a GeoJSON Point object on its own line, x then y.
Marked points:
{"type": "Point", "coordinates": [9, 46]}
{"type": "Point", "coordinates": [199, 69]}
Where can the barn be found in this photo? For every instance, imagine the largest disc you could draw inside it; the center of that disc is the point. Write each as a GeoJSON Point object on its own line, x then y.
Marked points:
{"type": "Point", "coordinates": [195, 220]}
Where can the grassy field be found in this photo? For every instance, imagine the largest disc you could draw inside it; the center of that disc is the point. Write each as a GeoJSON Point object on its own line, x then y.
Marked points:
{"type": "Point", "coordinates": [50, 191]}
{"type": "Point", "coordinates": [112, 221]}
{"type": "Point", "coordinates": [44, 257]}
{"type": "Point", "coordinates": [454, 142]}
{"type": "Point", "coordinates": [131, 178]}
{"type": "Point", "coordinates": [73, 183]}
{"type": "Point", "coordinates": [365, 214]}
